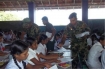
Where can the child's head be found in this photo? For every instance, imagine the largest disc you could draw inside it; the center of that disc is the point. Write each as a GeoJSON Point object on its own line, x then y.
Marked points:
{"type": "Point", "coordinates": [1, 37]}
{"type": "Point", "coordinates": [32, 42]}
{"type": "Point", "coordinates": [6, 32]}
{"type": "Point", "coordinates": [57, 36]}
{"type": "Point", "coordinates": [102, 40]}
{"type": "Point", "coordinates": [10, 32]}
{"type": "Point", "coordinates": [19, 50]}
{"type": "Point", "coordinates": [43, 39]}
{"type": "Point", "coordinates": [21, 34]}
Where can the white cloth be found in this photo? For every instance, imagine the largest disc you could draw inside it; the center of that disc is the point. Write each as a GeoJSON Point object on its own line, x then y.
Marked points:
{"type": "Point", "coordinates": [42, 48]}
{"type": "Point", "coordinates": [12, 65]}
{"type": "Point", "coordinates": [89, 41]}
{"type": "Point", "coordinates": [94, 54]}
{"type": "Point", "coordinates": [103, 59]}
{"type": "Point", "coordinates": [49, 36]}
{"type": "Point", "coordinates": [7, 37]}
{"type": "Point", "coordinates": [32, 54]}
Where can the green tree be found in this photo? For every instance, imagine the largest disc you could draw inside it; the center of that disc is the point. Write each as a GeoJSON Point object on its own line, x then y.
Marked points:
{"type": "Point", "coordinates": [8, 16]}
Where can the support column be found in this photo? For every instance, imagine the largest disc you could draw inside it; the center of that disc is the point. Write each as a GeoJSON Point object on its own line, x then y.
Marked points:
{"type": "Point", "coordinates": [85, 11]}
{"type": "Point", "coordinates": [31, 10]}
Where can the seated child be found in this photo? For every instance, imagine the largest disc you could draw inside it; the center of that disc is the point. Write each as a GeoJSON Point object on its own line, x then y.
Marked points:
{"type": "Point", "coordinates": [21, 35]}
{"type": "Point", "coordinates": [1, 42]}
{"type": "Point", "coordinates": [19, 52]}
{"type": "Point", "coordinates": [34, 56]}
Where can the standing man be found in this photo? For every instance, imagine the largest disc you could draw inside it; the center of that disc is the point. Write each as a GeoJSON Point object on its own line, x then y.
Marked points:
{"type": "Point", "coordinates": [78, 45]}
{"type": "Point", "coordinates": [50, 32]}
{"type": "Point", "coordinates": [31, 29]}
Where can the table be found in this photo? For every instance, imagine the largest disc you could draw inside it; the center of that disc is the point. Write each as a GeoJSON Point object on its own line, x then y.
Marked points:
{"type": "Point", "coordinates": [67, 56]}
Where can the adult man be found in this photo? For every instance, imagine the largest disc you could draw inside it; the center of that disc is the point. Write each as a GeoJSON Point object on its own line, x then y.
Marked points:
{"type": "Point", "coordinates": [50, 32]}
{"type": "Point", "coordinates": [31, 28]}
{"type": "Point", "coordinates": [78, 45]}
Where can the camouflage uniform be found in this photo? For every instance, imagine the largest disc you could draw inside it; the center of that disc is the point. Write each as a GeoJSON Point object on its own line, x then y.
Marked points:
{"type": "Point", "coordinates": [78, 45]}
{"type": "Point", "coordinates": [33, 31]}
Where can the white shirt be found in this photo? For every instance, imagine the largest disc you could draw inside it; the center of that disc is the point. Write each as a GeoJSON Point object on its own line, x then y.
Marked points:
{"type": "Point", "coordinates": [103, 59]}
{"type": "Point", "coordinates": [32, 54]}
{"type": "Point", "coordinates": [12, 65]}
{"type": "Point", "coordinates": [42, 48]}
{"type": "Point", "coordinates": [89, 41]}
{"type": "Point", "coordinates": [94, 54]}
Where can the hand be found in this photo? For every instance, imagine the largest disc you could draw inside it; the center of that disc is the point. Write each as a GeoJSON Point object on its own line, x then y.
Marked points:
{"type": "Point", "coordinates": [60, 45]}
{"type": "Point", "coordinates": [58, 61]}
{"type": "Point", "coordinates": [49, 39]}
{"type": "Point", "coordinates": [48, 65]}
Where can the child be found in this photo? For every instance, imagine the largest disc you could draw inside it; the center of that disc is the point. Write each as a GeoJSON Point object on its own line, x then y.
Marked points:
{"type": "Point", "coordinates": [34, 55]}
{"type": "Point", "coordinates": [57, 40]}
{"type": "Point", "coordinates": [19, 52]}
{"type": "Point", "coordinates": [21, 35]}
{"type": "Point", "coordinates": [95, 52]}
{"type": "Point", "coordinates": [42, 44]}
{"type": "Point", "coordinates": [1, 42]}
{"type": "Point", "coordinates": [42, 47]}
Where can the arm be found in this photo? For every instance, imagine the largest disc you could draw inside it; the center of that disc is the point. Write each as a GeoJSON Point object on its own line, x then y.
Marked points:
{"type": "Point", "coordinates": [48, 57]}
{"type": "Point", "coordinates": [29, 66]}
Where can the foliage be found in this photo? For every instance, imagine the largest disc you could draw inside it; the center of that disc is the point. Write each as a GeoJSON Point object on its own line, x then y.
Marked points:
{"type": "Point", "coordinates": [4, 16]}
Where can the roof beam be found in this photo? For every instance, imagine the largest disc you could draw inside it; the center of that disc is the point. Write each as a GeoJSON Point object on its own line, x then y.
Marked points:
{"type": "Point", "coordinates": [18, 3]}
{"type": "Point", "coordinates": [65, 2]}
{"type": "Point", "coordinates": [74, 1]}
{"type": "Point", "coordinates": [11, 4]}
{"type": "Point", "coordinates": [100, 3]}
{"type": "Point", "coordinates": [26, 3]}
{"type": "Point", "coordinates": [42, 2]}
{"type": "Point", "coordinates": [57, 2]}
{"type": "Point", "coordinates": [4, 4]}
{"type": "Point", "coordinates": [11, 0]}
{"type": "Point", "coordinates": [49, 2]}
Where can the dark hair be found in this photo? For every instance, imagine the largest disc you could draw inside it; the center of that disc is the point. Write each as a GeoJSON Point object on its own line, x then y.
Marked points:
{"type": "Point", "coordinates": [45, 18]}
{"type": "Point", "coordinates": [42, 37]}
{"type": "Point", "coordinates": [73, 15]}
{"type": "Point", "coordinates": [18, 34]}
{"type": "Point", "coordinates": [102, 37]}
{"type": "Point", "coordinates": [18, 47]}
{"type": "Point", "coordinates": [30, 40]}
{"type": "Point", "coordinates": [1, 34]}
{"type": "Point", "coordinates": [58, 34]}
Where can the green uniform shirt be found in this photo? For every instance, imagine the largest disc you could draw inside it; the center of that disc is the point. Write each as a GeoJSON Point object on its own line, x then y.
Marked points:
{"type": "Point", "coordinates": [78, 45]}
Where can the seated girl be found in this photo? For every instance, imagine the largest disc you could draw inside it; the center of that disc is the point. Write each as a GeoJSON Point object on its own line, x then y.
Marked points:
{"type": "Point", "coordinates": [19, 52]}
{"type": "Point", "coordinates": [95, 52]}
{"type": "Point", "coordinates": [34, 55]}
{"type": "Point", "coordinates": [42, 47]}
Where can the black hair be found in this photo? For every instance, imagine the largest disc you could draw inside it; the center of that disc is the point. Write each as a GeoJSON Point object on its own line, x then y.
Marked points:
{"type": "Point", "coordinates": [1, 34]}
{"type": "Point", "coordinates": [1, 30]}
{"type": "Point", "coordinates": [18, 47]}
{"type": "Point", "coordinates": [58, 34]}
{"type": "Point", "coordinates": [45, 18]}
{"type": "Point", "coordinates": [102, 37]}
{"type": "Point", "coordinates": [73, 15]}
{"type": "Point", "coordinates": [18, 34]}
{"type": "Point", "coordinates": [42, 37]}
{"type": "Point", "coordinates": [30, 40]}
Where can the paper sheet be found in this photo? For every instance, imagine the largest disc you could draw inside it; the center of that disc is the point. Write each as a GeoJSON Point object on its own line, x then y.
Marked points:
{"type": "Point", "coordinates": [49, 35]}
{"type": "Point", "coordinates": [82, 34]}
{"type": "Point", "coordinates": [54, 67]}
{"type": "Point", "coordinates": [62, 49]}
